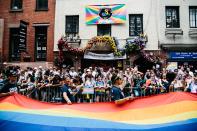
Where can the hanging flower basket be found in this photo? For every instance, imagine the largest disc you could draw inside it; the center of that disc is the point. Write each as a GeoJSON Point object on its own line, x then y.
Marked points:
{"type": "Point", "coordinates": [102, 39]}
{"type": "Point", "coordinates": [63, 44]}
{"type": "Point", "coordinates": [60, 44]}
{"type": "Point", "coordinates": [135, 45]}
{"type": "Point", "coordinates": [108, 40]}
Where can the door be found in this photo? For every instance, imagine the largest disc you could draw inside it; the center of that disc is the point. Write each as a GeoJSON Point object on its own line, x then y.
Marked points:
{"type": "Point", "coordinates": [41, 43]}
{"type": "Point", "coordinates": [14, 54]}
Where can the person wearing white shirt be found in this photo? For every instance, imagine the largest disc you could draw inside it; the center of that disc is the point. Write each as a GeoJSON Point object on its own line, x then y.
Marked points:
{"type": "Point", "coordinates": [193, 86]}
{"type": "Point", "coordinates": [72, 72]}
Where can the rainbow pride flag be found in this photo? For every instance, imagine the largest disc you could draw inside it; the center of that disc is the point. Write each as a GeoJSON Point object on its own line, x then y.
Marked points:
{"type": "Point", "coordinates": [174, 111]}
{"type": "Point", "coordinates": [105, 14]}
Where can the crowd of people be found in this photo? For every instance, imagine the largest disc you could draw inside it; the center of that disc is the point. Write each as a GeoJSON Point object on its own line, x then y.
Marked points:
{"type": "Point", "coordinates": [94, 84]}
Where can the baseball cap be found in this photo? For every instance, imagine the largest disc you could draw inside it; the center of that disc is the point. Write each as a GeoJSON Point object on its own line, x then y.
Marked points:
{"type": "Point", "coordinates": [12, 73]}
{"type": "Point", "coordinates": [114, 78]}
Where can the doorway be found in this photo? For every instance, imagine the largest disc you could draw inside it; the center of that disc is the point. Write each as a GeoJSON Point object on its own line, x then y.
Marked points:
{"type": "Point", "coordinates": [41, 43]}
{"type": "Point", "coordinates": [14, 54]}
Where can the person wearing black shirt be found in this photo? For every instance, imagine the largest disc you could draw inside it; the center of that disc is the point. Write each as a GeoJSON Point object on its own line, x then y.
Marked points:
{"type": "Point", "coordinates": [116, 92]}
{"type": "Point", "coordinates": [67, 91]}
{"type": "Point", "coordinates": [170, 76]}
{"type": "Point", "coordinates": [70, 89]}
{"type": "Point", "coordinates": [10, 86]}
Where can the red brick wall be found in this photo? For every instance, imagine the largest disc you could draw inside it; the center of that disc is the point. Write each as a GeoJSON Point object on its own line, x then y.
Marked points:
{"type": "Point", "coordinates": [29, 15]}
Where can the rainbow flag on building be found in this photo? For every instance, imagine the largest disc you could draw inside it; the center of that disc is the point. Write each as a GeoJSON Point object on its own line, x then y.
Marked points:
{"type": "Point", "coordinates": [174, 111]}
{"type": "Point", "coordinates": [105, 14]}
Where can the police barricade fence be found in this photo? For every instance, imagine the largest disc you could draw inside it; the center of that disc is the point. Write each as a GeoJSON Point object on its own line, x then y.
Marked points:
{"type": "Point", "coordinates": [53, 93]}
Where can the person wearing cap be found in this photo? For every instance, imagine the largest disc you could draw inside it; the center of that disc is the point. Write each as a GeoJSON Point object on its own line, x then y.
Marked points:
{"type": "Point", "coordinates": [89, 72]}
{"type": "Point", "coordinates": [116, 91]}
{"type": "Point", "coordinates": [72, 72]}
{"type": "Point", "coordinates": [11, 86]}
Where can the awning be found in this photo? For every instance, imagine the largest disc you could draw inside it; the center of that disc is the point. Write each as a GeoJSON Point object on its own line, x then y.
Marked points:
{"type": "Point", "coordinates": [95, 56]}
{"type": "Point", "coordinates": [179, 47]}
{"type": "Point", "coordinates": [40, 24]}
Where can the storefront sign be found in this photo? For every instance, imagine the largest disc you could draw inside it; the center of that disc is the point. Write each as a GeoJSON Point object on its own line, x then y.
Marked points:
{"type": "Point", "coordinates": [105, 14]}
{"type": "Point", "coordinates": [95, 56]}
{"type": "Point", "coordinates": [183, 55]}
{"type": "Point", "coordinates": [22, 35]}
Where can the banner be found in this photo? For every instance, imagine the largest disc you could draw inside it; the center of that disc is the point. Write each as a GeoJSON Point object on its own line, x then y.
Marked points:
{"type": "Point", "coordinates": [175, 111]}
{"type": "Point", "coordinates": [95, 56]}
{"type": "Point", "coordinates": [105, 14]}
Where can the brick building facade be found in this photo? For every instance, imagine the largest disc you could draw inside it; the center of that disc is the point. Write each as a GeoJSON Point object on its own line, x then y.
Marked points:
{"type": "Point", "coordinates": [39, 15]}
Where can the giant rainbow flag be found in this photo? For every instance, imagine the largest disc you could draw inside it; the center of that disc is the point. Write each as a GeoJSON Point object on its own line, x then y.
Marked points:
{"type": "Point", "coordinates": [167, 112]}
{"type": "Point", "coordinates": [106, 14]}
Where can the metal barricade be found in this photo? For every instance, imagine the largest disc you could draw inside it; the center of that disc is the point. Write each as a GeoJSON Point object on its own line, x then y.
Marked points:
{"type": "Point", "coordinates": [51, 93]}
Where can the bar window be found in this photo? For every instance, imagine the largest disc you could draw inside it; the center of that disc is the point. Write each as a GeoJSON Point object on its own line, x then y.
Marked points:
{"type": "Point", "coordinates": [172, 17]}
{"type": "Point", "coordinates": [193, 16]}
{"type": "Point", "coordinates": [135, 24]}
{"type": "Point", "coordinates": [72, 25]}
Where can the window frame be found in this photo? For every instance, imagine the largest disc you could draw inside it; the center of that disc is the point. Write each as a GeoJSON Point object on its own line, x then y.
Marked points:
{"type": "Point", "coordinates": [193, 7]}
{"type": "Point", "coordinates": [137, 33]}
{"type": "Point", "coordinates": [107, 25]}
{"type": "Point", "coordinates": [177, 15]}
{"type": "Point", "coordinates": [67, 19]}
{"type": "Point", "coordinates": [12, 6]}
{"type": "Point", "coordinates": [43, 8]}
